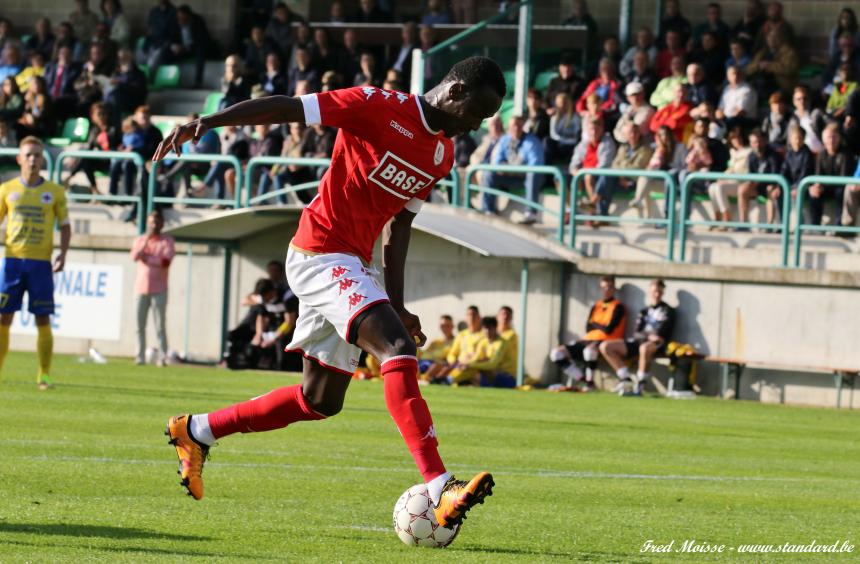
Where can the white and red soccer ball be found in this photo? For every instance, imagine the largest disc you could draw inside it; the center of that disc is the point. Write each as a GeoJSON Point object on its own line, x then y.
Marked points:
{"type": "Point", "coordinates": [415, 522]}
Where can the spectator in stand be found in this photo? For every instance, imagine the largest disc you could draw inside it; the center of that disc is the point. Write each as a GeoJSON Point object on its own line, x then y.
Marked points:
{"type": "Point", "coordinates": [114, 18]}
{"type": "Point", "coordinates": [324, 54]}
{"type": "Point", "coordinates": [566, 81]}
{"type": "Point", "coordinates": [273, 80]}
{"type": "Point", "coordinates": [246, 343]}
{"type": "Point", "coordinates": [153, 252]}
{"type": "Point", "coordinates": [427, 39]}
{"type": "Point", "coordinates": [464, 147]}
{"type": "Point", "coordinates": [83, 19]}
{"type": "Point", "coordinates": [280, 27]}
{"type": "Point", "coordinates": [739, 102]}
{"type": "Point", "coordinates": [435, 14]}
{"type": "Point", "coordinates": [606, 87]}
{"type": "Point", "coordinates": [483, 154]}
{"type": "Point", "coordinates": [669, 155]}
{"type": "Point", "coordinates": [812, 120]}
{"type": "Point", "coordinates": [11, 64]}
{"type": "Point", "coordinates": [162, 30]}
{"type": "Point", "coordinates": [645, 43]}
{"type": "Point", "coordinates": [42, 39]}
{"type": "Point", "coordinates": [8, 138]}
{"type": "Point", "coordinates": [642, 74]}
{"type": "Point", "coordinates": [635, 111]}
{"type": "Point", "coordinates": [748, 27]}
{"type": "Point", "coordinates": [592, 111]}
{"type": "Point", "coordinates": [208, 144]}
{"type": "Point", "coordinates": [11, 101]}
{"type": "Point", "coordinates": [675, 115]}
{"type": "Point", "coordinates": [775, 21]}
{"type": "Point", "coordinates": [36, 68]}
{"type": "Point", "coordinates": [565, 128]}
{"type": "Point", "coordinates": [774, 66]}
{"type": "Point", "coordinates": [612, 51]}
{"type": "Point", "coordinates": [465, 11]}
{"type": "Point", "coordinates": [721, 190]}
{"type": "Point", "coordinates": [832, 161]}
{"type": "Point", "coordinates": [101, 36]}
{"type": "Point", "coordinates": [369, 12]}
{"type": "Point", "coordinates": [336, 13]}
{"type": "Point", "coordinates": [235, 86]}
{"type": "Point", "coordinates": [303, 39]}
{"type": "Point", "coordinates": [698, 159]}
{"type": "Point", "coordinates": [607, 320]}
{"type": "Point", "coordinates": [653, 329]}
{"type": "Point", "coordinates": [127, 169]}
{"type": "Point", "coordinates": [127, 88]}
{"type": "Point", "coordinates": [191, 41]}
{"type": "Point", "coordinates": [673, 21]}
{"type": "Point", "coordinates": [102, 137]}
{"type": "Point", "coordinates": [38, 116]}
{"type": "Point", "coordinates": [843, 86]}
{"type": "Point", "coordinates": [596, 150]}
{"type": "Point", "coordinates": [762, 160]}
{"type": "Point", "coordinates": [369, 74]}
{"type": "Point", "coordinates": [350, 56]}
{"type": "Point", "coordinates": [60, 77]}
{"type": "Point", "coordinates": [580, 17]}
{"type": "Point", "coordinates": [5, 32]}
{"type": "Point", "coordinates": [409, 37]}
{"type": "Point", "coordinates": [257, 46]}
{"type": "Point", "coordinates": [799, 161]}
{"type": "Point", "coordinates": [94, 78]}
{"type": "Point", "coordinates": [537, 120]}
{"type": "Point", "coordinates": [847, 54]}
{"type": "Point", "coordinates": [303, 71]}
{"type": "Point", "coordinates": [281, 176]}
{"type": "Point", "coordinates": [319, 144]}
{"type": "Point", "coordinates": [851, 203]}
{"type": "Point", "coordinates": [775, 124]}
{"type": "Point", "coordinates": [738, 55]}
{"type": "Point", "coordinates": [713, 24]}
{"type": "Point", "coordinates": [851, 122]}
{"type": "Point", "coordinates": [665, 91]}
{"type": "Point", "coordinates": [515, 148]}
{"type": "Point", "coordinates": [699, 90]}
{"type": "Point", "coordinates": [393, 81]}
{"type": "Point", "coordinates": [711, 57]}
{"type": "Point", "coordinates": [65, 37]}
{"type": "Point", "coordinates": [633, 154]}
{"type": "Point", "coordinates": [847, 23]}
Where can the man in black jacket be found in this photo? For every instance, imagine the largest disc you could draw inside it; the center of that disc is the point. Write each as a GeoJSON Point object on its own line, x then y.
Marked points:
{"type": "Point", "coordinates": [832, 161]}
{"type": "Point", "coordinates": [192, 41]}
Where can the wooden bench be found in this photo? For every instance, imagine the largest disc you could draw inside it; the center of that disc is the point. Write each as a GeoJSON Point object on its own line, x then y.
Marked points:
{"type": "Point", "coordinates": [735, 366]}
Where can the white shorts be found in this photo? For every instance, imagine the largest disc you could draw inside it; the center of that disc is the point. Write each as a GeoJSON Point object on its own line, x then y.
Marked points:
{"type": "Point", "coordinates": [333, 288]}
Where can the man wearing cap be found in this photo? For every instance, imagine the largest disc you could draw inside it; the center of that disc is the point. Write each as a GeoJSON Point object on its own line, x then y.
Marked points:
{"type": "Point", "coordinates": [636, 111]}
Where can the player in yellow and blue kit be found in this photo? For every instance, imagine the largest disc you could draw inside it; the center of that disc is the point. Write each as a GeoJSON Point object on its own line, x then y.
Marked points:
{"type": "Point", "coordinates": [32, 205]}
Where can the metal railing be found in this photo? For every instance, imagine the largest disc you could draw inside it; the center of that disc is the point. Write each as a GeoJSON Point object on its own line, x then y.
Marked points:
{"type": "Point", "coordinates": [668, 222]}
{"type": "Point", "coordinates": [777, 179]}
{"type": "Point", "coordinates": [263, 161]}
{"type": "Point", "coordinates": [235, 201]}
{"type": "Point", "coordinates": [109, 156]}
{"type": "Point", "coordinates": [13, 152]}
{"type": "Point", "coordinates": [452, 185]}
{"type": "Point", "coordinates": [519, 169]}
{"type": "Point", "coordinates": [800, 227]}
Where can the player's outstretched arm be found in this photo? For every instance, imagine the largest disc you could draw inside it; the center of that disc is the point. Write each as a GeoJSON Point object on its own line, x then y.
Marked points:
{"type": "Point", "coordinates": [395, 244]}
{"type": "Point", "coordinates": [268, 110]}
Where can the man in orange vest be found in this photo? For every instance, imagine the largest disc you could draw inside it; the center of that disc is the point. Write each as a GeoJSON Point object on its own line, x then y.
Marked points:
{"type": "Point", "coordinates": [607, 320]}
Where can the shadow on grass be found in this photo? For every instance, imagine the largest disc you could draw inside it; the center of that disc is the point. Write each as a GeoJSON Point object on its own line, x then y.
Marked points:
{"type": "Point", "coordinates": [103, 531]}
{"type": "Point", "coordinates": [524, 552]}
{"type": "Point", "coordinates": [130, 549]}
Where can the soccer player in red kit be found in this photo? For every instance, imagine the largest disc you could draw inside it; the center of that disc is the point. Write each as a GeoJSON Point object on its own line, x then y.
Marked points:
{"type": "Point", "coordinates": [390, 151]}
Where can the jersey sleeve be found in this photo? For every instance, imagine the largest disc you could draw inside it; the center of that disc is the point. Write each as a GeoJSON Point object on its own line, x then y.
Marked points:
{"type": "Point", "coordinates": [348, 108]}
{"type": "Point", "coordinates": [61, 207]}
{"type": "Point", "coordinates": [3, 209]}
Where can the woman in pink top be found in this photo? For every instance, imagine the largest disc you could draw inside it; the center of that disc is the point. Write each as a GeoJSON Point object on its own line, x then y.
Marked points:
{"type": "Point", "coordinates": [153, 253]}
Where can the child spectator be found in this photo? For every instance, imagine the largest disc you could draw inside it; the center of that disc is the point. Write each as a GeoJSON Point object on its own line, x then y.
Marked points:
{"type": "Point", "coordinates": [133, 139]}
{"type": "Point", "coordinates": [799, 161]}
{"type": "Point", "coordinates": [537, 120]}
{"type": "Point", "coordinates": [721, 190]}
{"type": "Point", "coordinates": [776, 124]}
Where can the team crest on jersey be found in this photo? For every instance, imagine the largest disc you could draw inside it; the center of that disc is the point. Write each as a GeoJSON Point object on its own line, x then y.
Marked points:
{"type": "Point", "coordinates": [398, 177]}
{"type": "Point", "coordinates": [47, 197]}
{"type": "Point", "coordinates": [439, 155]}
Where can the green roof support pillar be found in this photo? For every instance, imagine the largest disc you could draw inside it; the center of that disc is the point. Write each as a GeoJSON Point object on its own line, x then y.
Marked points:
{"type": "Point", "coordinates": [524, 48]}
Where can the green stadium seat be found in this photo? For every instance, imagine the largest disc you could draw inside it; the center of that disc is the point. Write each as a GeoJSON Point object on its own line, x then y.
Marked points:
{"type": "Point", "coordinates": [167, 76]}
{"type": "Point", "coordinates": [510, 82]}
{"type": "Point", "coordinates": [165, 127]}
{"type": "Point", "coordinates": [145, 70]}
{"type": "Point", "coordinates": [810, 71]}
{"type": "Point", "coordinates": [211, 104]}
{"type": "Point", "coordinates": [75, 130]}
{"type": "Point", "coordinates": [542, 80]}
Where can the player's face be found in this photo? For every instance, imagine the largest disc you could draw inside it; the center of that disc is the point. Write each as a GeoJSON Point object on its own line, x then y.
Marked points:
{"type": "Point", "coordinates": [608, 289]}
{"type": "Point", "coordinates": [30, 159]}
{"type": "Point", "coordinates": [473, 318]}
{"type": "Point", "coordinates": [446, 326]}
{"type": "Point", "coordinates": [656, 293]}
{"type": "Point", "coordinates": [503, 317]}
{"type": "Point", "coordinates": [155, 223]}
{"type": "Point", "coordinates": [466, 110]}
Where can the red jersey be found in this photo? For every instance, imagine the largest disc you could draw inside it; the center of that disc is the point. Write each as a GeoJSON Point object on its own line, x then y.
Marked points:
{"type": "Point", "coordinates": [385, 158]}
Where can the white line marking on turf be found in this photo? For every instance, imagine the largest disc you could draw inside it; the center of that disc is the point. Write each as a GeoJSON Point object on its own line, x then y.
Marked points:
{"type": "Point", "coordinates": [536, 473]}
{"type": "Point", "coordinates": [363, 528]}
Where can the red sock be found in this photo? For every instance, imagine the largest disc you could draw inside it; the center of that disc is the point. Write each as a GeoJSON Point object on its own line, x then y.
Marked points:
{"type": "Point", "coordinates": [411, 415]}
{"type": "Point", "coordinates": [275, 410]}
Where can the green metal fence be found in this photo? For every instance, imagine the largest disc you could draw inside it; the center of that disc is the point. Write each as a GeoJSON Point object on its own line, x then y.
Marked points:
{"type": "Point", "coordinates": [264, 161]}
{"type": "Point", "coordinates": [777, 179]}
{"type": "Point", "coordinates": [109, 156]}
{"type": "Point", "coordinates": [554, 171]}
{"type": "Point", "coordinates": [13, 152]}
{"type": "Point", "coordinates": [668, 221]}
{"type": "Point", "coordinates": [234, 202]}
{"type": "Point", "coordinates": [800, 227]}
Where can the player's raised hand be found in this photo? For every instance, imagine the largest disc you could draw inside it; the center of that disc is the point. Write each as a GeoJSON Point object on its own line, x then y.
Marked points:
{"type": "Point", "coordinates": [413, 325]}
{"type": "Point", "coordinates": [191, 131]}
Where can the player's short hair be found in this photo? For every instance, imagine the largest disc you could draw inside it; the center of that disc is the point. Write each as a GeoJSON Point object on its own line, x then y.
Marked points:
{"type": "Point", "coordinates": [489, 322]}
{"type": "Point", "coordinates": [608, 278]}
{"type": "Point", "coordinates": [264, 286]}
{"type": "Point", "coordinates": [447, 318]}
{"type": "Point", "coordinates": [508, 309]}
{"type": "Point", "coordinates": [31, 140]}
{"type": "Point", "coordinates": [475, 72]}
{"type": "Point", "coordinates": [472, 308]}
{"type": "Point", "coordinates": [156, 212]}
{"type": "Point", "coordinates": [659, 283]}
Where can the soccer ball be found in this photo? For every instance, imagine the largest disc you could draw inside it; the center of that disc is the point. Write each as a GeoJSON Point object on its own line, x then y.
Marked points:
{"type": "Point", "coordinates": [415, 523]}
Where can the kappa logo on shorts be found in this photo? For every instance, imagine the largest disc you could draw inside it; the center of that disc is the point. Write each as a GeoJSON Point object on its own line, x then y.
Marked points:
{"type": "Point", "coordinates": [345, 284]}
{"type": "Point", "coordinates": [338, 271]}
{"type": "Point", "coordinates": [355, 299]}
{"type": "Point", "coordinates": [398, 177]}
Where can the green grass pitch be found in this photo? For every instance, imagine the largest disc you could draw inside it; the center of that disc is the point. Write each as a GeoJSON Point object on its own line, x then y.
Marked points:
{"type": "Point", "coordinates": [86, 474]}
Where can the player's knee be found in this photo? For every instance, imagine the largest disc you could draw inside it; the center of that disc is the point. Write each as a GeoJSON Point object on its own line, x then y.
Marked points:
{"type": "Point", "coordinates": [328, 406]}
{"type": "Point", "coordinates": [401, 346]}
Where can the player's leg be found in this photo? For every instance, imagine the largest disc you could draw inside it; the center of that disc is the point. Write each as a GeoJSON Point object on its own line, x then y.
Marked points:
{"type": "Point", "coordinates": [11, 294]}
{"type": "Point", "coordinates": [39, 281]}
{"type": "Point", "coordinates": [141, 303]}
{"type": "Point", "coordinates": [5, 323]}
{"type": "Point", "coordinates": [379, 331]}
{"type": "Point", "coordinates": [45, 350]}
{"type": "Point", "coordinates": [647, 352]}
{"type": "Point", "coordinates": [159, 310]}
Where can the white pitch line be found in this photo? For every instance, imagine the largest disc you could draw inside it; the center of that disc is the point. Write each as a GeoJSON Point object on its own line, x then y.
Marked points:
{"type": "Point", "coordinates": [535, 473]}
{"type": "Point", "coordinates": [363, 528]}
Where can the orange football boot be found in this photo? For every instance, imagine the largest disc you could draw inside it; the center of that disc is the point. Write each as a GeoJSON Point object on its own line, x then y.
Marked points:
{"type": "Point", "coordinates": [192, 455]}
{"type": "Point", "coordinates": [459, 496]}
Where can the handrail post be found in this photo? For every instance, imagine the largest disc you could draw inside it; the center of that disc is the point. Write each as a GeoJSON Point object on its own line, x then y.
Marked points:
{"type": "Point", "coordinates": [467, 189]}
{"type": "Point", "coordinates": [574, 183]}
{"type": "Point", "coordinates": [786, 220]}
{"type": "Point", "coordinates": [150, 191]}
{"type": "Point", "coordinates": [559, 176]}
{"type": "Point", "coordinates": [685, 197]}
{"type": "Point", "coordinates": [798, 228]}
{"type": "Point", "coordinates": [455, 186]}
{"type": "Point", "coordinates": [671, 213]}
